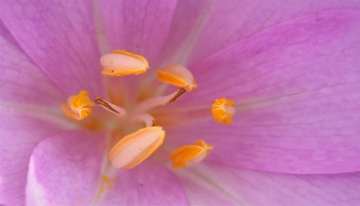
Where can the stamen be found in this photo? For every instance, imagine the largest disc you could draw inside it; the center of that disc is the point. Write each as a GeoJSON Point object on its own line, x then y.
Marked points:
{"type": "Point", "coordinates": [190, 154]}
{"type": "Point", "coordinates": [177, 75]}
{"type": "Point", "coordinates": [178, 94]}
{"type": "Point", "coordinates": [223, 110]}
{"type": "Point", "coordinates": [158, 101]}
{"type": "Point", "coordinates": [121, 62]}
{"type": "Point", "coordinates": [78, 106]}
{"type": "Point", "coordinates": [144, 117]}
{"type": "Point", "coordinates": [110, 107]}
{"type": "Point", "coordinates": [136, 147]}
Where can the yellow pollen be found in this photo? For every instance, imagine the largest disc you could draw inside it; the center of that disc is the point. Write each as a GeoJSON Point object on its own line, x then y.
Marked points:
{"type": "Point", "coordinates": [223, 110]}
{"type": "Point", "coordinates": [190, 154]}
{"type": "Point", "coordinates": [78, 106]}
{"type": "Point", "coordinates": [105, 178]}
{"type": "Point", "coordinates": [121, 62]}
{"type": "Point", "coordinates": [136, 147]}
{"type": "Point", "coordinates": [177, 75]}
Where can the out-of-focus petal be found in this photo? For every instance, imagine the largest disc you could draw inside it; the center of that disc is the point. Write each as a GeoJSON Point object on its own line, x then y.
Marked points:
{"type": "Point", "coordinates": [19, 136]}
{"type": "Point", "coordinates": [202, 27]}
{"type": "Point", "coordinates": [213, 184]}
{"type": "Point", "coordinates": [297, 90]}
{"type": "Point", "coordinates": [141, 27]}
{"type": "Point", "coordinates": [63, 165]}
{"type": "Point", "coordinates": [60, 37]}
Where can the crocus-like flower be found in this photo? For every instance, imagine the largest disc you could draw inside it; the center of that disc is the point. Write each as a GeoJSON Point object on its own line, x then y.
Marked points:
{"type": "Point", "coordinates": [270, 118]}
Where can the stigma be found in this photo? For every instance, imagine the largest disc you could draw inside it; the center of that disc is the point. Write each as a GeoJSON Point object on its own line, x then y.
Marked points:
{"type": "Point", "coordinates": [121, 62]}
{"type": "Point", "coordinates": [78, 106]}
{"type": "Point", "coordinates": [223, 110]}
{"type": "Point", "coordinates": [190, 154]}
{"type": "Point", "coordinates": [136, 147]}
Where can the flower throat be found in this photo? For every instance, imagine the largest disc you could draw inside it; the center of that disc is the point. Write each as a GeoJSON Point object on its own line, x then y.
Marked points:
{"type": "Point", "coordinates": [136, 147]}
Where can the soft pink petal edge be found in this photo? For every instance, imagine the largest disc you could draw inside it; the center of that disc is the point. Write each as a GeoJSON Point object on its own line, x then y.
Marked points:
{"type": "Point", "coordinates": [19, 136]}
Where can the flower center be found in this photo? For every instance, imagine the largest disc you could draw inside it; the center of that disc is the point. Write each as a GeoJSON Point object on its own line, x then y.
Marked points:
{"type": "Point", "coordinates": [133, 143]}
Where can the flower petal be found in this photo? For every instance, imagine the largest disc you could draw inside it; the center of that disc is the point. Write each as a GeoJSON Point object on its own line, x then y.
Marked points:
{"type": "Point", "coordinates": [147, 184]}
{"type": "Point", "coordinates": [202, 27]}
{"type": "Point", "coordinates": [27, 108]}
{"type": "Point", "coordinates": [19, 136]}
{"type": "Point", "coordinates": [60, 37]}
{"type": "Point", "coordinates": [21, 81]}
{"type": "Point", "coordinates": [297, 90]}
{"type": "Point", "coordinates": [62, 166]}
{"type": "Point", "coordinates": [66, 169]}
{"type": "Point", "coordinates": [141, 27]}
{"type": "Point", "coordinates": [213, 184]}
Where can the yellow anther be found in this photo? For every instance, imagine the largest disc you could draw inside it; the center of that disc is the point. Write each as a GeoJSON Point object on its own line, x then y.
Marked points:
{"type": "Point", "coordinates": [78, 106]}
{"type": "Point", "coordinates": [121, 62]}
{"type": "Point", "coordinates": [223, 110]}
{"type": "Point", "coordinates": [190, 154]}
{"type": "Point", "coordinates": [136, 147]}
{"type": "Point", "coordinates": [177, 75]}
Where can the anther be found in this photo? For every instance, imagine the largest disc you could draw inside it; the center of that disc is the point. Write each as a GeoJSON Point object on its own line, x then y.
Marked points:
{"type": "Point", "coordinates": [223, 110]}
{"type": "Point", "coordinates": [136, 147]}
{"type": "Point", "coordinates": [110, 107]}
{"type": "Point", "coordinates": [121, 62]}
{"type": "Point", "coordinates": [78, 106]}
{"type": "Point", "coordinates": [190, 154]}
{"type": "Point", "coordinates": [177, 75]}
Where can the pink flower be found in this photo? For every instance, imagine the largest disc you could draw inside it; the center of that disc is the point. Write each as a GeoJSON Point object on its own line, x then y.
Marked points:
{"type": "Point", "coordinates": [292, 67]}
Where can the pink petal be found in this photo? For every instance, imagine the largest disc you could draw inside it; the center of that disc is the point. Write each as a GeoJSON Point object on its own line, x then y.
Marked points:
{"type": "Point", "coordinates": [202, 27]}
{"type": "Point", "coordinates": [21, 81]}
{"type": "Point", "coordinates": [62, 166]}
{"type": "Point", "coordinates": [213, 184]}
{"type": "Point", "coordinates": [19, 136]}
{"type": "Point", "coordinates": [147, 184]}
{"type": "Point", "coordinates": [297, 90]}
{"type": "Point", "coordinates": [141, 27]}
{"type": "Point", "coordinates": [60, 37]}
{"type": "Point", "coordinates": [66, 169]}
{"type": "Point", "coordinates": [24, 91]}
